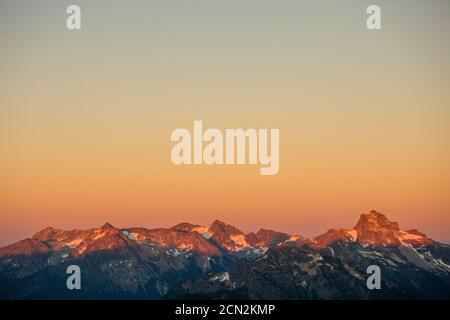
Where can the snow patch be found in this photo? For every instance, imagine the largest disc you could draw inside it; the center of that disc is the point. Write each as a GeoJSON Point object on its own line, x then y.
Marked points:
{"type": "Point", "coordinates": [133, 236]}
{"type": "Point", "coordinates": [130, 235]}
{"type": "Point", "coordinates": [443, 263]}
{"type": "Point", "coordinates": [185, 247]}
{"type": "Point", "coordinates": [332, 251]}
{"type": "Point", "coordinates": [409, 236]}
{"type": "Point", "coordinates": [82, 249]}
{"type": "Point", "coordinates": [74, 243]}
{"type": "Point", "coordinates": [204, 231]}
{"type": "Point", "coordinates": [201, 229]}
{"type": "Point", "coordinates": [292, 239]}
{"type": "Point", "coordinates": [206, 235]}
{"type": "Point", "coordinates": [353, 234]}
{"type": "Point", "coordinates": [225, 276]}
{"type": "Point", "coordinates": [173, 252]}
{"type": "Point", "coordinates": [99, 235]}
{"type": "Point", "coordinates": [239, 241]}
{"type": "Point", "coordinates": [414, 256]}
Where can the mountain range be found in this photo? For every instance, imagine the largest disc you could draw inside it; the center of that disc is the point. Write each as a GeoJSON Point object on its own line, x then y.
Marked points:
{"type": "Point", "coordinates": [219, 261]}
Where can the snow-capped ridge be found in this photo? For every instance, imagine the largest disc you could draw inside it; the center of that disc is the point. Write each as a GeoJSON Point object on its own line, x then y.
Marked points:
{"type": "Point", "coordinates": [217, 238]}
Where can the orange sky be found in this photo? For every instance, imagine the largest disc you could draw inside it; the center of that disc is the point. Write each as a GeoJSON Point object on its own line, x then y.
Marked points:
{"type": "Point", "coordinates": [86, 117]}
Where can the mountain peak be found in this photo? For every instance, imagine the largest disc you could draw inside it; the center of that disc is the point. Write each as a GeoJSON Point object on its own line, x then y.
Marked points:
{"type": "Point", "coordinates": [25, 247]}
{"type": "Point", "coordinates": [218, 223]}
{"type": "Point", "coordinates": [375, 227]}
{"type": "Point", "coordinates": [227, 236]}
{"type": "Point", "coordinates": [266, 237]}
{"type": "Point", "coordinates": [374, 214]}
{"type": "Point", "coordinates": [333, 235]}
{"type": "Point", "coordinates": [375, 220]}
{"type": "Point", "coordinates": [372, 228]}
{"type": "Point", "coordinates": [221, 227]}
{"type": "Point", "coordinates": [44, 231]}
{"type": "Point", "coordinates": [47, 233]}
{"type": "Point", "coordinates": [107, 225]}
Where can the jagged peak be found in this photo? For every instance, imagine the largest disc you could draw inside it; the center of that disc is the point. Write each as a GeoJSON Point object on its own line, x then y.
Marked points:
{"type": "Point", "coordinates": [220, 226]}
{"type": "Point", "coordinates": [372, 228]}
{"type": "Point", "coordinates": [46, 230]}
{"type": "Point", "coordinates": [107, 225]}
{"type": "Point", "coordinates": [218, 222]}
{"type": "Point", "coordinates": [375, 219]}
{"type": "Point", "coordinates": [47, 233]}
{"type": "Point", "coordinates": [375, 228]}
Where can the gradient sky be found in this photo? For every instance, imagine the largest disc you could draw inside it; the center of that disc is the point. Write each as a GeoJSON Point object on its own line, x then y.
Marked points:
{"type": "Point", "coordinates": [86, 116]}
